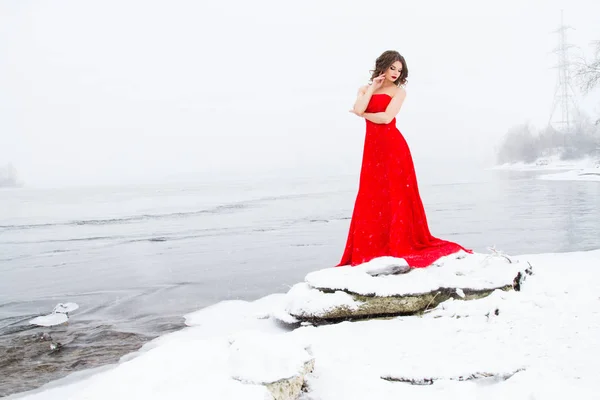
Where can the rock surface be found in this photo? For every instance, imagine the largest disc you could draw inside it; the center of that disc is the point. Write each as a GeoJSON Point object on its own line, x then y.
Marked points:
{"type": "Point", "coordinates": [487, 377]}
{"type": "Point", "coordinates": [291, 388]}
{"type": "Point", "coordinates": [342, 293]}
{"type": "Point", "coordinates": [275, 361]}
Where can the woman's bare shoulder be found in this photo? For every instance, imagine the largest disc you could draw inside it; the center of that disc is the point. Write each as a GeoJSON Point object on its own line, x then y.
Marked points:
{"type": "Point", "coordinates": [401, 91]}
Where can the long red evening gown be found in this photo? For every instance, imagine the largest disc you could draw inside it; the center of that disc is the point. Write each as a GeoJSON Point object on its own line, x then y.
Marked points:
{"type": "Point", "coordinates": [389, 218]}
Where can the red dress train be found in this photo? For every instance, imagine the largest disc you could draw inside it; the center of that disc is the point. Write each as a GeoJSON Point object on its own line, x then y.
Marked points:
{"type": "Point", "coordinates": [389, 218]}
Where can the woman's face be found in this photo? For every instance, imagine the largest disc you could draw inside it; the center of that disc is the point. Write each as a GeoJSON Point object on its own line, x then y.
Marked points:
{"type": "Point", "coordinates": [393, 72]}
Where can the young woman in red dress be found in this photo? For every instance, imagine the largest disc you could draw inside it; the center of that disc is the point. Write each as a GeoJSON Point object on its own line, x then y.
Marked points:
{"type": "Point", "coordinates": [388, 217]}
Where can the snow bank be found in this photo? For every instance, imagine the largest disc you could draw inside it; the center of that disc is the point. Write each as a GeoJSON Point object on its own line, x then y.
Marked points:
{"type": "Point", "coordinates": [585, 174]}
{"type": "Point", "coordinates": [539, 343]}
{"type": "Point", "coordinates": [547, 164]}
{"type": "Point", "coordinates": [261, 358]}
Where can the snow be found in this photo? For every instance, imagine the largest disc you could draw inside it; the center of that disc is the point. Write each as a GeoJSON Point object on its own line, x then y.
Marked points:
{"type": "Point", "coordinates": [303, 300]}
{"type": "Point", "coordinates": [584, 174]}
{"type": "Point", "coordinates": [65, 308]}
{"type": "Point", "coordinates": [59, 315]}
{"type": "Point", "coordinates": [548, 164]}
{"type": "Point", "coordinates": [256, 357]}
{"type": "Point", "coordinates": [585, 169]}
{"type": "Point", "coordinates": [50, 320]}
{"type": "Point", "coordinates": [539, 343]}
{"type": "Point", "coordinates": [489, 307]}
{"type": "Point", "coordinates": [460, 270]}
{"type": "Point", "coordinates": [383, 266]}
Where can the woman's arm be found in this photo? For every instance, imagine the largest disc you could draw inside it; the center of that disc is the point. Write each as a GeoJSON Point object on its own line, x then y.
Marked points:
{"type": "Point", "coordinates": [362, 99]}
{"type": "Point", "coordinates": [377, 118]}
{"type": "Point", "coordinates": [390, 112]}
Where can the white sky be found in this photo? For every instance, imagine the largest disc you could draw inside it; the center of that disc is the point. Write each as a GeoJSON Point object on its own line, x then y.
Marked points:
{"type": "Point", "coordinates": [133, 90]}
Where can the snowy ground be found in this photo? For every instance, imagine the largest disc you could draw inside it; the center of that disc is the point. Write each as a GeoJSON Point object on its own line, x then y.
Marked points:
{"type": "Point", "coordinates": [584, 174]}
{"type": "Point", "coordinates": [540, 343]}
{"type": "Point", "coordinates": [549, 164]}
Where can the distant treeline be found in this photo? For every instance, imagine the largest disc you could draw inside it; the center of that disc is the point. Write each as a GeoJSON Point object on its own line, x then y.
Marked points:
{"type": "Point", "coordinates": [524, 143]}
{"type": "Point", "coordinates": [8, 176]}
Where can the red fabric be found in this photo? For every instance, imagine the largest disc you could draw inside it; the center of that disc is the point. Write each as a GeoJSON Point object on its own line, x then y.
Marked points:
{"type": "Point", "coordinates": [389, 218]}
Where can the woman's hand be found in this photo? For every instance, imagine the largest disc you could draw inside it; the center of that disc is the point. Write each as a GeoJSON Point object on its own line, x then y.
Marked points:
{"type": "Point", "coordinates": [377, 82]}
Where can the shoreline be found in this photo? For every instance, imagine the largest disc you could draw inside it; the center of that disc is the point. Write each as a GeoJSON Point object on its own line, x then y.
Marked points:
{"type": "Point", "coordinates": [209, 330]}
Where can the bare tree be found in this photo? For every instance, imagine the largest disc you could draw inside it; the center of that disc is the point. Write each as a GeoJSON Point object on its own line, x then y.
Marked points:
{"type": "Point", "coordinates": [523, 143]}
{"type": "Point", "coordinates": [8, 176]}
{"type": "Point", "coordinates": [588, 71]}
{"type": "Point", "coordinates": [519, 145]}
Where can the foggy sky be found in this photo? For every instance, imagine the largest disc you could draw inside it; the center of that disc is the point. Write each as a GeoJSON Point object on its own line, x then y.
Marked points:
{"type": "Point", "coordinates": [130, 90]}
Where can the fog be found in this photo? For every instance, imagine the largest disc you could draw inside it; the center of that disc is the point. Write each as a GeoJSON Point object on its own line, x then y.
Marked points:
{"type": "Point", "coordinates": [111, 92]}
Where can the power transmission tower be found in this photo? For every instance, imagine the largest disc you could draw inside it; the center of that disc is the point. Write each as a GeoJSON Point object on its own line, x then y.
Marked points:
{"type": "Point", "coordinates": [564, 95]}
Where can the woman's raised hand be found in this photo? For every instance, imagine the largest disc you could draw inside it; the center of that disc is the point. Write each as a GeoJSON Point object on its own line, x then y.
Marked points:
{"type": "Point", "coordinates": [377, 82]}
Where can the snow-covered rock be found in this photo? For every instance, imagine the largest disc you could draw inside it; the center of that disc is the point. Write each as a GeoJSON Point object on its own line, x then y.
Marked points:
{"type": "Point", "coordinates": [488, 377]}
{"type": "Point", "coordinates": [275, 361]}
{"type": "Point", "coordinates": [355, 292]}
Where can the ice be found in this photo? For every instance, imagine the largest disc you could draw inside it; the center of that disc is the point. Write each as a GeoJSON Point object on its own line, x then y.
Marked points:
{"type": "Point", "coordinates": [65, 308]}
{"type": "Point", "coordinates": [50, 320]}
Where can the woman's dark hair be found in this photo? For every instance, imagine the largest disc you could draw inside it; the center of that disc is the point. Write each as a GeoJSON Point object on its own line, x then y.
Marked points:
{"type": "Point", "coordinates": [385, 60]}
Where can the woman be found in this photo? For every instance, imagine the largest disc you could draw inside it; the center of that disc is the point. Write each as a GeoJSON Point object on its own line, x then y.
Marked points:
{"type": "Point", "coordinates": [388, 217]}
